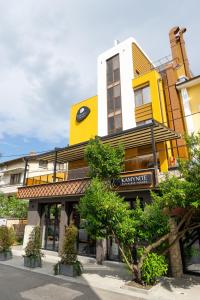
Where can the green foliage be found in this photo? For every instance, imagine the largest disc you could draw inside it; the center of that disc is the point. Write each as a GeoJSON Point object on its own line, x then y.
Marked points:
{"type": "Point", "coordinates": [13, 207]}
{"type": "Point", "coordinates": [7, 238]}
{"type": "Point", "coordinates": [176, 192]}
{"type": "Point", "coordinates": [147, 220]}
{"type": "Point", "coordinates": [153, 268]}
{"type": "Point", "coordinates": [69, 253]}
{"type": "Point", "coordinates": [106, 213]}
{"type": "Point", "coordinates": [105, 162]}
{"type": "Point", "coordinates": [190, 168]}
{"type": "Point", "coordinates": [78, 267]}
{"type": "Point", "coordinates": [33, 248]}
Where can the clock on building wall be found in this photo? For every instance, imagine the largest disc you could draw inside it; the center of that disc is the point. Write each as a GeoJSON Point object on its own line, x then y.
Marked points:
{"type": "Point", "coordinates": [82, 113]}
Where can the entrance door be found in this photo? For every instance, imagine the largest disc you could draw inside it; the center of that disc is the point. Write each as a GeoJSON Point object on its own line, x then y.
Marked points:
{"type": "Point", "coordinates": [85, 245]}
{"type": "Point", "coordinates": [52, 221]}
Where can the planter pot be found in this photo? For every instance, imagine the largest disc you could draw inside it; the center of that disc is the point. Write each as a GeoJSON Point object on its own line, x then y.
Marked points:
{"type": "Point", "coordinates": [5, 255]}
{"type": "Point", "coordinates": [67, 270]}
{"type": "Point", "coordinates": [32, 262]}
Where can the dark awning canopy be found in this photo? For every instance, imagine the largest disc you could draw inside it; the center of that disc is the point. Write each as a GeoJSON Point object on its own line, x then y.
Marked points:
{"type": "Point", "coordinates": [134, 137]}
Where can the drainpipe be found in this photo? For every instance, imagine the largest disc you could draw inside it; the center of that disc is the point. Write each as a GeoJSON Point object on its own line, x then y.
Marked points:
{"type": "Point", "coordinates": [154, 156]}
{"type": "Point", "coordinates": [25, 170]}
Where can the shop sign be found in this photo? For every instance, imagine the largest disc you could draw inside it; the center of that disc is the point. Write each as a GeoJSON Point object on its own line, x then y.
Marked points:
{"type": "Point", "coordinates": [3, 222]}
{"type": "Point", "coordinates": [134, 180]}
{"type": "Point", "coordinates": [82, 113]}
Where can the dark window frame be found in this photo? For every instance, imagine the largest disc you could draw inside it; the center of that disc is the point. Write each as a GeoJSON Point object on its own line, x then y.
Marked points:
{"type": "Point", "coordinates": [140, 90]}
{"type": "Point", "coordinates": [15, 178]}
{"type": "Point", "coordinates": [112, 110]}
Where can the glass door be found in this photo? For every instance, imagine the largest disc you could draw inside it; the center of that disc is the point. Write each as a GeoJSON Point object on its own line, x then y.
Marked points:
{"type": "Point", "coordinates": [86, 245]}
{"type": "Point", "coordinates": [52, 222]}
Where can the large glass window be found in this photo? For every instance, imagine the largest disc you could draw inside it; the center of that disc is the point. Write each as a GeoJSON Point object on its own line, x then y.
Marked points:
{"type": "Point", "coordinates": [142, 96]}
{"type": "Point", "coordinates": [114, 95]}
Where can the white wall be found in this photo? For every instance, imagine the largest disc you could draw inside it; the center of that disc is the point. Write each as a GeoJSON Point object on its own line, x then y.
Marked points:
{"type": "Point", "coordinates": [124, 50]}
{"type": "Point", "coordinates": [187, 111]}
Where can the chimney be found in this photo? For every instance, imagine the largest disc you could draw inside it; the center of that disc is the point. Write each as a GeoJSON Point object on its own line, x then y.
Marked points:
{"type": "Point", "coordinates": [178, 50]}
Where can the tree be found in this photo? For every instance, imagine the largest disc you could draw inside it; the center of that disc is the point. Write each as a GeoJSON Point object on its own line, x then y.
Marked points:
{"type": "Point", "coordinates": [105, 162]}
{"type": "Point", "coordinates": [108, 215]}
{"type": "Point", "coordinates": [13, 207]}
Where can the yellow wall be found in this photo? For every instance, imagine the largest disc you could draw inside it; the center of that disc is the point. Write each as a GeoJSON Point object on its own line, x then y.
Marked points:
{"type": "Point", "coordinates": [153, 79]}
{"type": "Point", "coordinates": [194, 96]}
{"type": "Point", "coordinates": [86, 129]}
{"type": "Point", "coordinates": [141, 63]}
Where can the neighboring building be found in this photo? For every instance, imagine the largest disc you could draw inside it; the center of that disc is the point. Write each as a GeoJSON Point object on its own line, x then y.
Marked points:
{"type": "Point", "coordinates": [189, 90]}
{"type": "Point", "coordinates": [38, 171]}
{"type": "Point", "coordinates": [137, 105]}
{"type": "Point", "coordinates": [11, 175]}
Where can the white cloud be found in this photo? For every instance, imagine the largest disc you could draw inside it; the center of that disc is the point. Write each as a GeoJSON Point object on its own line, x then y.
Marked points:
{"type": "Point", "coordinates": [48, 52]}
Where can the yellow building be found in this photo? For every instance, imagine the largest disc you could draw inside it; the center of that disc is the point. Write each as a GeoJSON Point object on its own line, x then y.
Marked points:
{"type": "Point", "coordinates": [132, 91]}
{"type": "Point", "coordinates": [130, 94]}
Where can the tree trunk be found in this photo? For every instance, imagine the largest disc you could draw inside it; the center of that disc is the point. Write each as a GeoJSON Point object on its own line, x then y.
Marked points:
{"type": "Point", "coordinates": [174, 251]}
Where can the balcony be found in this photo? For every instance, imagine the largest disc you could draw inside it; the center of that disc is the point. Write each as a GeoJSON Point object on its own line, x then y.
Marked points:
{"type": "Point", "coordinates": [47, 178]}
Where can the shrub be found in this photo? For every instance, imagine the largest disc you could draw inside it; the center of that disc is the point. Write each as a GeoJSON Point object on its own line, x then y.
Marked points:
{"type": "Point", "coordinates": [153, 268]}
{"type": "Point", "coordinates": [34, 244]}
{"type": "Point", "coordinates": [69, 252]}
{"type": "Point", "coordinates": [7, 238]}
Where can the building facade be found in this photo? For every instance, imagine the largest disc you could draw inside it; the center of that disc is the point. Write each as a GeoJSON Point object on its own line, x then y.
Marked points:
{"type": "Point", "coordinates": [138, 104]}
{"type": "Point", "coordinates": [37, 171]}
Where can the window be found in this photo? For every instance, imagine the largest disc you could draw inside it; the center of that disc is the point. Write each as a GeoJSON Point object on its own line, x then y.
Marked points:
{"type": "Point", "coordinates": [113, 70]}
{"type": "Point", "coordinates": [142, 96]}
{"type": "Point", "coordinates": [15, 178]}
{"type": "Point", "coordinates": [114, 95]}
{"type": "Point", "coordinates": [43, 164]}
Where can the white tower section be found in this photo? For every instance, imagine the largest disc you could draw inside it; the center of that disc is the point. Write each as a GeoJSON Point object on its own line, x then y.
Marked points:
{"type": "Point", "coordinates": [124, 49]}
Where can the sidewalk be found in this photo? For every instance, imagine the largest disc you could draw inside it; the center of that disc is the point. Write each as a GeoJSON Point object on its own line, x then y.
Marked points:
{"type": "Point", "coordinates": [112, 276]}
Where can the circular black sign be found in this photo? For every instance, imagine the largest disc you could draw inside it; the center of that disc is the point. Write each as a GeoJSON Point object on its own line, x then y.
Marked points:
{"type": "Point", "coordinates": [82, 113]}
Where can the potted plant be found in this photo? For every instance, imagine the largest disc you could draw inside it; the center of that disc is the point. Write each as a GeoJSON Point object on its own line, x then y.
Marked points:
{"type": "Point", "coordinates": [7, 239]}
{"type": "Point", "coordinates": [33, 254]}
{"type": "Point", "coordinates": [69, 265]}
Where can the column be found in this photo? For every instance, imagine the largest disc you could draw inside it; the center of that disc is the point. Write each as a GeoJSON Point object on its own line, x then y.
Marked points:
{"type": "Point", "coordinates": [163, 157]}
{"type": "Point", "coordinates": [33, 220]}
{"type": "Point", "coordinates": [63, 223]}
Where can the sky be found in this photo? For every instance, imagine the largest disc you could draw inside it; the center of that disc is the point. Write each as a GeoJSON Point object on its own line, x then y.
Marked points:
{"type": "Point", "coordinates": [48, 58]}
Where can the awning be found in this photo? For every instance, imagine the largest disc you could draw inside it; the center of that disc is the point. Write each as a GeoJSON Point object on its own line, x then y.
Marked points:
{"type": "Point", "coordinates": [131, 138]}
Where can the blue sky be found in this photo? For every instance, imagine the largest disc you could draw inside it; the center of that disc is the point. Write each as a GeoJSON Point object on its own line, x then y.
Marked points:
{"type": "Point", "coordinates": [48, 53]}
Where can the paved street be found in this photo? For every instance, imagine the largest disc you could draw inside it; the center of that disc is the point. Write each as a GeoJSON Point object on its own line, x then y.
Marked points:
{"type": "Point", "coordinates": [16, 284]}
